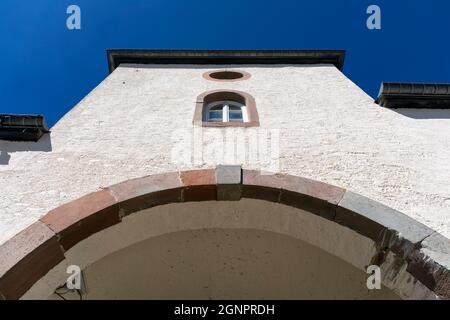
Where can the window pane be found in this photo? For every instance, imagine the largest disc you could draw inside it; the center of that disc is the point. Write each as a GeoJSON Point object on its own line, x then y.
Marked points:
{"type": "Point", "coordinates": [215, 116]}
{"type": "Point", "coordinates": [231, 107]}
{"type": "Point", "coordinates": [235, 116]}
{"type": "Point", "coordinates": [218, 107]}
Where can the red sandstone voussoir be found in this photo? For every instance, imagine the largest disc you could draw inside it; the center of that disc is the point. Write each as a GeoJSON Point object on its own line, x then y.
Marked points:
{"type": "Point", "coordinates": [26, 258]}
{"type": "Point", "coordinates": [77, 220]}
{"type": "Point", "coordinates": [143, 193]}
{"type": "Point", "coordinates": [315, 189]}
{"type": "Point", "coordinates": [198, 177]}
{"type": "Point", "coordinates": [313, 196]}
{"type": "Point", "coordinates": [199, 185]}
{"type": "Point", "coordinates": [261, 186]}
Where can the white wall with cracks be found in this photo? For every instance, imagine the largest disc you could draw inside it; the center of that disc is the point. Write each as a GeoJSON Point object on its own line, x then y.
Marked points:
{"type": "Point", "coordinates": [330, 131]}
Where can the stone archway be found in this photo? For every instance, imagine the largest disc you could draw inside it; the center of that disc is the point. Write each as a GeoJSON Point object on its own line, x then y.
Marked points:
{"type": "Point", "coordinates": [411, 256]}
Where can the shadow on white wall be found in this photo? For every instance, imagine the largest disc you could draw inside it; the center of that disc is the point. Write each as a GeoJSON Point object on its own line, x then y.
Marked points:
{"type": "Point", "coordinates": [424, 113]}
{"type": "Point", "coordinates": [7, 147]}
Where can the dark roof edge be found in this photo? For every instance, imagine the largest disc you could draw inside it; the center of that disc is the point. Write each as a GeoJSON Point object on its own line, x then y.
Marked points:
{"type": "Point", "coordinates": [414, 95]}
{"type": "Point", "coordinates": [147, 56]}
{"type": "Point", "coordinates": [26, 127]}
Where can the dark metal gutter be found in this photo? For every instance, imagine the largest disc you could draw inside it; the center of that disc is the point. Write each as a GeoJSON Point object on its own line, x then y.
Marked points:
{"type": "Point", "coordinates": [225, 57]}
{"type": "Point", "coordinates": [22, 127]}
{"type": "Point", "coordinates": [414, 95]}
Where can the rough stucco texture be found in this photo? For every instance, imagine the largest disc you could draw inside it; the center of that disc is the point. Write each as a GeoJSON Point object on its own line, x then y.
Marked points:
{"type": "Point", "coordinates": [330, 131]}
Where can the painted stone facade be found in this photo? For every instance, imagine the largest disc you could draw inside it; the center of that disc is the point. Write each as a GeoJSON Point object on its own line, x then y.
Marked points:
{"type": "Point", "coordinates": [139, 122]}
{"type": "Point", "coordinates": [329, 129]}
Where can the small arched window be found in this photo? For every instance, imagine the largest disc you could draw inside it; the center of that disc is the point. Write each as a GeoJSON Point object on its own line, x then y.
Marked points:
{"type": "Point", "coordinates": [226, 111]}
{"type": "Point", "coordinates": [229, 108]}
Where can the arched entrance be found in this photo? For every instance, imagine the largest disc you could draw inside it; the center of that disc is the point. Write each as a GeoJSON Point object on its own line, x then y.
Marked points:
{"type": "Point", "coordinates": [344, 226]}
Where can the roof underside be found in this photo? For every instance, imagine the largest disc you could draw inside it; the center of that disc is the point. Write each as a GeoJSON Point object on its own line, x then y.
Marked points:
{"type": "Point", "coordinates": [225, 57]}
{"type": "Point", "coordinates": [414, 95]}
{"type": "Point", "coordinates": [15, 127]}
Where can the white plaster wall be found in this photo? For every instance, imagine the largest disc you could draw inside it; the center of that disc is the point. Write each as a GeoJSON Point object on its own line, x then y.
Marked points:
{"type": "Point", "coordinates": [330, 131]}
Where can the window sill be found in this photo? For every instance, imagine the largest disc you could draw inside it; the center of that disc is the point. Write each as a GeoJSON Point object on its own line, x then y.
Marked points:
{"type": "Point", "coordinates": [227, 124]}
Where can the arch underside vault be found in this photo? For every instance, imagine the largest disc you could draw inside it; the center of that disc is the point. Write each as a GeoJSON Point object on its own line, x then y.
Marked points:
{"type": "Point", "coordinates": [269, 212]}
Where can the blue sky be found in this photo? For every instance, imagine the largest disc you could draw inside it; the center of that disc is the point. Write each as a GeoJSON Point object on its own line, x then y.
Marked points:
{"type": "Point", "coordinates": [46, 68]}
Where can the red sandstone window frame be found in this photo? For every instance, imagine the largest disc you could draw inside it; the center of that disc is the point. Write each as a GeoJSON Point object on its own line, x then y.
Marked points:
{"type": "Point", "coordinates": [206, 98]}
